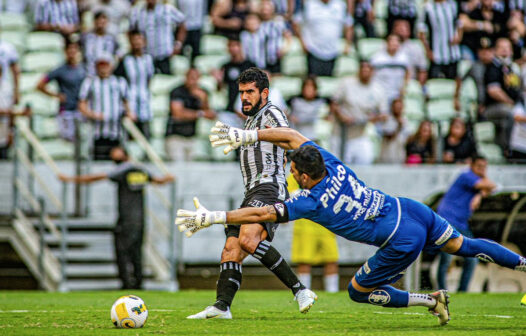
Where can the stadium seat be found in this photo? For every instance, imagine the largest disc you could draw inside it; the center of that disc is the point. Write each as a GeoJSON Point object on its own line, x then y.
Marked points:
{"type": "Point", "coordinates": [45, 127]}
{"type": "Point", "coordinates": [158, 126]}
{"type": "Point", "coordinates": [58, 148]}
{"type": "Point", "coordinates": [218, 100]}
{"type": "Point", "coordinates": [441, 110]}
{"type": "Point", "coordinates": [463, 67]}
{"type": "Point", "coordinates": [13, 22]}
{"type": "Point", "coordinates": [208, 83]}
{"type": "Point", "coordinates": [206, 63]}
{"type": "Point", "coordinates": [161, 105]}
{"type": "Point", "coordinates": [413, 108]}
{"type": "Point", "coordinates": [40, 103]}
{"type": "Point", "coordinates": [45, 41]}
{"type": "Point", "coordinates": [485, 132]}
{"type": "Point", "coordinates": [469, 97]}
{"type": "Point", "coordinates": [327, 86]}
{"type": "Point", "coordinates": [490, 151]}
{"type": "Point", "coordinates": [368, 46]}
{"type": "Point", "coordinates": [158, 147]}
{"type": "Point", "coordinates": [413, 90]}
{"type": "Point", "coordinates": [29, 81]}
{"type": "Point", "coordinates": [16, 38]}
{"type": "Point", "coordinates": [380, 27]}
{"type": "Point", "coordinates": [124, 43]}
{"type": "Point", "coordinates": [213, 45]}
{"type": "Point", "coordinates": [380, 9]}
{"type": "Point", "coordinates": [41, 61]}
{"type": "Point", "coordinates": [441, 88]}
{"type": "Point", "coordinates": [345, 66]}
{"type": "Point", "coordinates": [294, 65]}
{"type": "Point", "coordinates": [163, 84]}
{"type": "Point", "coordinates": [289, 86]}
{"type": "Point", "coordinates": [179, 65]}
{"type": "Point", "coordinates": [293, 46]}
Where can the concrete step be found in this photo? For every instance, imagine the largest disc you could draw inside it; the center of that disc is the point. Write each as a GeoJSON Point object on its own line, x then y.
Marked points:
{"type": "Point", "coordinates": [112, 284]}
{"type": "Point", "coordinates": [80, 239]}
{"type": "Point", "coordinates": [102, 270]}
{"type": "Point", "coordinates": [105, 254]}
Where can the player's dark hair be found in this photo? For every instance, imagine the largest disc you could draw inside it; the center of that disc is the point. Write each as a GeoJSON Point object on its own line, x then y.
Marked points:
{"type": "Point", "coordinates": [308, 160]}
{"type": "Point", "coordinates": [254, 75]}
{"type": "Point", "coordinates": [476, 157]}
{"type": "Point", "coordinates": [100, 14]}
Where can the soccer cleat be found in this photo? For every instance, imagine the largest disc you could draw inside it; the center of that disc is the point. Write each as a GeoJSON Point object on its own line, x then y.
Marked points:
{"type": "Point", "coordinates": [211, 312]}
{"type": "Point", "coordinates": [441, 309]}
{"type": "Point", "coordinates": [306, 299]}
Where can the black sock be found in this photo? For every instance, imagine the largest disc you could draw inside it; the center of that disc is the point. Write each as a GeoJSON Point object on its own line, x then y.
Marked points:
{"type": "Point", "coordinates": [272, 259]}
{"type": "Point", "coordinates": [229, 282]}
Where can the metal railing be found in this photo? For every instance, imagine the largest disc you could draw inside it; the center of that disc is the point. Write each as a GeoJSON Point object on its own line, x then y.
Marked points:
{"type": "Point", "coordinates": [158, 262]}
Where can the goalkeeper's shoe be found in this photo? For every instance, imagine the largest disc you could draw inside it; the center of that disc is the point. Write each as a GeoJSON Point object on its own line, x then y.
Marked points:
{"type": "Point", "coordinates": [441, 309]}
{"type": "Point", "coordinates": [211, 312]}
{"type": "Point", "coordinates": [306, 299]}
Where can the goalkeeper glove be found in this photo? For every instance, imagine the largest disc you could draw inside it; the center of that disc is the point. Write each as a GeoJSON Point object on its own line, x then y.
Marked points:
{"type": "Point", "coordinates": [223, 134]}
{"type": "Point", "coordinates": [190, 222]}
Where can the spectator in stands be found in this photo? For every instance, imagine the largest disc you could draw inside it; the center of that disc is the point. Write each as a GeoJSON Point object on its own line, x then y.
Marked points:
{"type": "Point", "coordinates": [285, 8]}
{"type": "Point", "coordinates": [103, 99]}
{"type": "Point", "coordinates": [305, 109]}
{"type": "Point", "coordinates": [9, 60]}
{"type": "Point", "coordinates": [504, 92]}
{"type": "Point", "coordinates": [188, 103]}
{"type": "Point", "coordinates": [230, 71]}
{"type": "Point", "coordinates": [356, 102]}
{"type": "Point", "coordinates": [391, 68]}
{"type": "Point", "coordinates": [420, 147]}
{"type": "Point", "coordinates": [116, 10]}
{"type": "Point", "coordinates": [456, 207]}
{"type": "Point", "coordinates": [401, 10]}
{"type": "Point", "coordinates": [459, 145]}
{"type": "Point", "coordinates": [488, 20]}
{"type": "Point", "coordinates": [364, 16]}
{"type": "Point", "coordinates": [516, 26]}
{"type": "Point", "coordinates": [275, 32]}
{"type": "Point", "coordinates": [485, 54]}
{"type": "Point", "coordinates": [137, 68]}
{"type": "Point", "coordinates": [228, 16]}
{"type": "Point", "coordinates": [319, 27]}
{"type": "Point", "coordinates": [18, 6]}
{"type": "Point", "coordinates": [69, 77]}
{"type": "Point", "coordinates": [395, 133]}
{"type": "Point", "coordinates": [253, 41]}
{"type": "Point", "coordinates": [518, 137]}
{"type": "Point", "coordinates": [6, 116]}
{"type": "Point", "coordinates": [313, 245]}
{"type": "Point", "coordinates": [158, 22]}
{"type": "Point", "coordinates": [60, 16]}
{"type": "Point", "coordinates": [194, 12]}
{"type": "Point", "coordinates": [131, 180]}
{"type": "Point", "coordinates": [443, 37]}
{"type": "Point", "coordinates": [98, 42]}
{"type": "Point", "coordinates": [413, 50]}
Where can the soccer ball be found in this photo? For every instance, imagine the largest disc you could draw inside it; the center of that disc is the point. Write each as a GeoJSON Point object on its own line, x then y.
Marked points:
{"type": "Point", "coordinates": [129, 312]}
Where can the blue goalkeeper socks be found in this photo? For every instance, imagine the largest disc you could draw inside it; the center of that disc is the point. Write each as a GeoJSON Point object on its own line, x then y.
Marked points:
{"type": "Point", "coordinates": [488, 250]}
{"type": "Point", "coordinates": [386, 296]}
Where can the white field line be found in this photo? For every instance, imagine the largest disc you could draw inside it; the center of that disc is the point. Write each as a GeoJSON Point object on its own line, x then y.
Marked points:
{"type": "Point", "coordinates": [463, 315]}
{"type": "Point", "coordinates": [23, 311]}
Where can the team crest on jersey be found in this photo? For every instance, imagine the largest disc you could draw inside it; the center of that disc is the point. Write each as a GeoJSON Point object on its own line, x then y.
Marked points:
{"type": "Point", "coordinates": [379, 297]}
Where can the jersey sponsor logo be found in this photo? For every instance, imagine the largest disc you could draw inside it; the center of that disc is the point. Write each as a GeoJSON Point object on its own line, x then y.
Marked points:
{"type": "Point", "coordinates": [445, 236]}
{"type": "Point", "coordinates": [485, 258]}
{"type": "Point", "coordinates": [257, 204]}
{"type": "Point", "coordinates": [379, 297]}
{"type": "Point", "coordinates": [136, 178]}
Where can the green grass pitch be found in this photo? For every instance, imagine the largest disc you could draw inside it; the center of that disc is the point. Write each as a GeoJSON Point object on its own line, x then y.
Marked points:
{"type": "Point", "coordinates": [255, 313]}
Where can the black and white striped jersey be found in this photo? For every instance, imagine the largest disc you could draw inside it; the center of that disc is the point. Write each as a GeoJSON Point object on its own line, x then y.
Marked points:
{"type": "Point", "coordinates": [59, 13]}
{"type": "Point", "coordinates": [158, 25]}
{"type": "Point", "coordinates": [403, 8]}
{"type": "Point", "coordinates": [105, 96]}
{"type": "Point", "coordinates": [440, 23]}
{"type": "Point", "coordinates": [94, 45]}
{"type": "Point", "coordinates": [263, 162]}
{"type": "Point", "coordinates": [273, 31]}
{"type": "Point", "coordinates": [194, 12]}
{"type": "Point", "coordinates": [254, 47]}
{"type": "Point", "coordinates": [138, 71]}
{"type": "Point", "coordinates": [281, 6]}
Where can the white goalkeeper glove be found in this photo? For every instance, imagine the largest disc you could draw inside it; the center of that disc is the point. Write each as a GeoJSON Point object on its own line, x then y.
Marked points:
{"type": "Point", "coordinates": [223, 134]}
{"type": "Point", "coordinates": [190, 222]}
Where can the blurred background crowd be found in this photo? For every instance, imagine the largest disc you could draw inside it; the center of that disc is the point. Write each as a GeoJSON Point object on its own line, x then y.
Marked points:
{"type": "Point", "coordinates": [386, 81]}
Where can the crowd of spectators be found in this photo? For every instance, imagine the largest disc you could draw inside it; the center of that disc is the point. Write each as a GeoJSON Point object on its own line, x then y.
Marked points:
{"type": "Point", "coordinates": [103, 79]}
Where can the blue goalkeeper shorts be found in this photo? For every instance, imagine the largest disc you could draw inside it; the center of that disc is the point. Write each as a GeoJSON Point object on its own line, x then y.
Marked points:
{"type": "Point", "coordinates": [420, 229]}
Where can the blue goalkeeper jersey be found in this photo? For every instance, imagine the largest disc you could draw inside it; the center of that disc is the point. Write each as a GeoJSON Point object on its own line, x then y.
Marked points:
{"type": "Point", "coordinates": [345, 205]}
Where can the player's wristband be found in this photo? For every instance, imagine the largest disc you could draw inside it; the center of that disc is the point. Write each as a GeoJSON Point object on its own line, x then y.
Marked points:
{"type": "Point", "coordinates": [218, 217]}
{"type": "Point", "coordinates": [282, 213]}
{"type": "Point", "coordinates": [250, 137]}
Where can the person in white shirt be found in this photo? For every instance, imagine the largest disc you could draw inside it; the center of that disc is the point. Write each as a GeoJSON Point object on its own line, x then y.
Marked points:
{"type": "Point", "coordinates": [320, 25]}
{"type": "Point", "coordinates": [518, 136]}
{"type": "Point", "coordinates": [356, 102]}
{"type": "Point", "coordinates": [14, 6]}
{"type": "Point", "coordinates": [391, 68]}
{"type": "Point", "coordinates": [414, 50]}
{"type": "Point", "coordinates": [9, 60]}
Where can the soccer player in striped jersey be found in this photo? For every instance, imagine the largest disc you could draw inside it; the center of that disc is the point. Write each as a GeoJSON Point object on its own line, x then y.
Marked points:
{"type": "Point", "coordinates": [97, 42]}
{"type": "Point", "coordinates": [158, 22]}
{"type": "Point", "coordinates": [103, 99]}
{"type": "Point", "coordinates": [137, 68]}
{"type": "Point", "coordinates": [57, 15]}
{"type": "Point", "coordinates": [262, 167]}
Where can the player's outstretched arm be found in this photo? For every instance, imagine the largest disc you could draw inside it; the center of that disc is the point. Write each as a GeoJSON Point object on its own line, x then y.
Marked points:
{"type": "Point", "coordinates": [192, 221]}
{"type": "Point", "coordinates": [231, 137]}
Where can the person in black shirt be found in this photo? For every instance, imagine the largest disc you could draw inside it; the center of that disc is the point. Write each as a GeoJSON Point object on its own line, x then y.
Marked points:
{"type": "Point", "coordinates": [188, 103]}
{"type": "Point", "coordinates": [459, 146]}
{"type": "Point", "coordinates": [503, 88]}
{"type": "Point", "coordinates": [420, 147]}
{"type": "Point", "coordinates": [129, 229]}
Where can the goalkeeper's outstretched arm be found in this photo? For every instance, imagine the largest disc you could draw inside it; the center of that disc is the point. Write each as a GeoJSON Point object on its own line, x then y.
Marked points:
{"type": "Point", "coordinates": [252, 215]}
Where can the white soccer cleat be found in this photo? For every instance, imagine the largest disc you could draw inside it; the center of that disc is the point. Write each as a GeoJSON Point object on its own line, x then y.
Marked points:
{"type": "Point", "coordinates": [441, 309]}
{"type": "Point", "coordinates": [306, 299]}
{"type": "Point", "coordinates": [211, 312]}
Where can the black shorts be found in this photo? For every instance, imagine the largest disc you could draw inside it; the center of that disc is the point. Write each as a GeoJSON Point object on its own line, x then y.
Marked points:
{"type": "Point", "coordinates": [260, 196]}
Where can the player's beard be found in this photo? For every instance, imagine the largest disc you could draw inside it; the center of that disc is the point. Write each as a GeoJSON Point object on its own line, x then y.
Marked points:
{"type": "Point", "coordinates": [253, 110]}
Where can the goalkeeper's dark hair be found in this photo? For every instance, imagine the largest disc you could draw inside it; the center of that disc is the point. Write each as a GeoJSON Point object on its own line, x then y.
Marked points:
{"type": "Point", "coordinates": [254, 75]}
{"type": "Point", "coordinates": [308, 160]}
